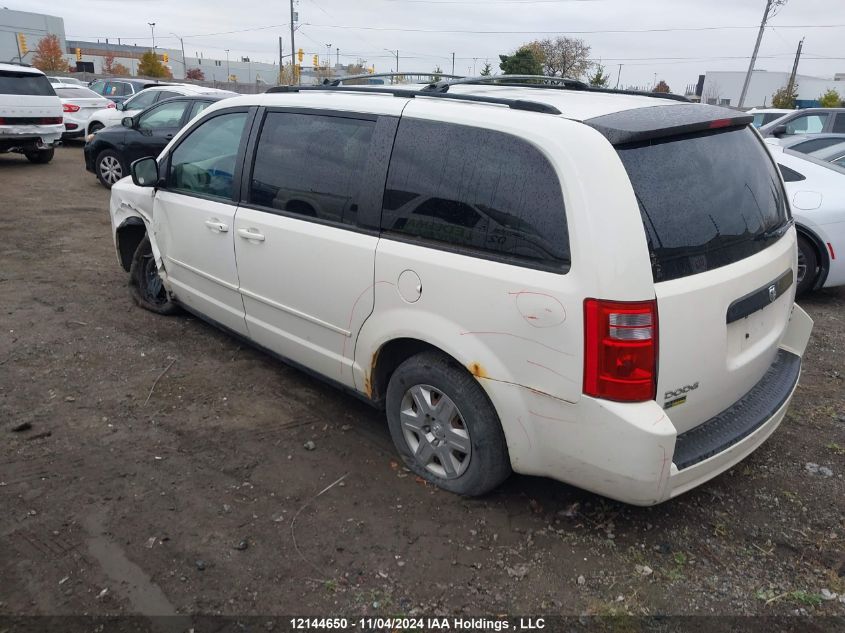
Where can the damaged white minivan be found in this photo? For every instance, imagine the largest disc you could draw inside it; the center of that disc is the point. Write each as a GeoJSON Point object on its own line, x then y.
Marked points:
{"type": "Point", "coordinates": [590, 285]}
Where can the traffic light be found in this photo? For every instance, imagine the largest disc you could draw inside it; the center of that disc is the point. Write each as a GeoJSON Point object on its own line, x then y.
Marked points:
{"type": "Point", "coordinates": [165, 58]}
{"type": "Point", "coordinates": [78, 54]}
{"type": "Point", "coordinates": [315, 61]}
{"type": "Point", "coordinates": [22, 44]}
{"type": "Point", "coordinates": [300, 54]}
{"type": "Point", "coordinates": [372, 69]}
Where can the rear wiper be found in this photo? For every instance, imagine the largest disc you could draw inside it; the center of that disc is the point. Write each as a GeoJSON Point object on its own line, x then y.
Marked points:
{"type": "Point", "coordinates": [775, 232]}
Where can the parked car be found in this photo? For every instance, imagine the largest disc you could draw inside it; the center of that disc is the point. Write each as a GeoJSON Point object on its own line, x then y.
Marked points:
{"type": "Point", "coordinates": [146, 98]}
{"type": "Point", "coordinates": [807, 143]}
{"type": "Point", "coordinates": [816, 191]}
{"type": "Point", "coordinates": [832, 154]}
{"type": "Point", "coordinates": [110, 152]}
{"type": "Point", "coordinates": [119, 89]}
{"type": "Point", "coordinates": [510, 320]}
{"type": "Point", "coordinates": [807, 121]}
{"type": "Point", "coordinates": [78, 103]}
{"type": "Point", "coordinates": [30, 113]}
{"type": "Point", "coordinates": [67, 80]}
{"type": "Point", "coordinates": [764, 116]}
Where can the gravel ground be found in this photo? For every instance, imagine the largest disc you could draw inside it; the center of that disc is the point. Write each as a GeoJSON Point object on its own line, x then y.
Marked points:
{"type": "Point", "coordinates": [162, 468]}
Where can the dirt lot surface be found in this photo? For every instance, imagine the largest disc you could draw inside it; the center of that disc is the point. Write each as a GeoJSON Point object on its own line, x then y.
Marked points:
{"type": "Point", "coordinates": [163, 470]}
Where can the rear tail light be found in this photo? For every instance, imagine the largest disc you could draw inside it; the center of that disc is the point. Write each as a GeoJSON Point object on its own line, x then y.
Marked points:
{"type": "Point", "coordinates": [620, 350]}
{"type": "Point", "coordinates": [69, 107]}
{"type": "Point", "coordinates": [111, 105]}
{"type": "Point", "coordinates": [2, 121]}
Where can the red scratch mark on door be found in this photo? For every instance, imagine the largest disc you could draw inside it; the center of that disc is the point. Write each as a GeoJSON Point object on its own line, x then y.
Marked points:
{"type": "Point", "coordinates": [522, 338]}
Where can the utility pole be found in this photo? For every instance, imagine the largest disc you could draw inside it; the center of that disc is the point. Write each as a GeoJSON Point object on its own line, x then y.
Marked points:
{"type": "Point", "coordinates": [184, 63]}
{"type": "Point", "coordinates": [228, 74]}
{"type": "Point", "coordinates": [153, 30]}
{"type": "Point", "coordinates": [618, 75]}
{"type": "Point", "coordinates": [292, 43]}
{"type": "Point", "coordinates": [282, 61]}
{"type": "Point", "coordinates": [791, 84]}
{"type": "Point", "coordinates": [770, 4]}
{"type": "Point", "coordinates": [453, 63]}
{"type": "Point", "coordinates": [337, 52]}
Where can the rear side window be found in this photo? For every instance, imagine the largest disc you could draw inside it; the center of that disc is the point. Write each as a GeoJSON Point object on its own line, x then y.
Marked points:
{"type": "Point", "coordinates": [813, 144]}
{"type": "Point", "coordinates": [311, 165]}
{"type": "Point", "coordinates": [476, 190]}
{"type": "Point", "coordinates": [839, 124]}
{"type": "Point", "coordinates": [204, 162]}
{"type": "Point", "coordinates": [706, 199]}
{"type": "Point", "coordinates": [790, 175]}
{"type": "Point", "coordinates": [14, 83]}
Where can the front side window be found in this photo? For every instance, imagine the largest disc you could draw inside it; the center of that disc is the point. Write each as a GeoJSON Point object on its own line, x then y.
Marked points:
{"type": "Point", "coordinates": [198, 107]}
{"type": "Point", "coordinates": [806, 124]}
{"type": "Point", "coordinates": [140, 101]}
{"type": "Point", "coordinates": [166, 115]}
{"type": "Point", "coordinates": [204, 162]}
{"type": "Point", "coordinates": [477, 189]}
{"type": "Point", "coordinates": [839, 124]}
{"type": "Point", "coordinates": [311, 165]}
{"type": "Point", "coordinates": [167, 94]}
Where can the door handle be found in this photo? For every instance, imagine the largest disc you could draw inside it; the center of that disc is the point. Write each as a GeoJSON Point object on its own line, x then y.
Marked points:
{"type": "Point", "coordinates": [217, 226]}
{"type": "Point", "coordinates": [168, 136]}
{"type": "Point", "coordinates": [251, 234]}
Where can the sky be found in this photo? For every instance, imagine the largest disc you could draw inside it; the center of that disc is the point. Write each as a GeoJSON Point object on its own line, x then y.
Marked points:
{"type": "Point", "coordinates": [674, 40]}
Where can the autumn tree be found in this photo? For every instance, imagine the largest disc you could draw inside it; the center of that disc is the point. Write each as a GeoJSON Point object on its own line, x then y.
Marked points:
{"type": "Point", "coordinates": [151, 66]}
{"type": "Point", "coordinates": [830, 99]}
{"type": "Point", "coordinates": [108, 64]}
{"type": "Point", "coordinates": [487, 69]}
{"type": "Point", "coordinates": [119, 70]}
{"type": "Point", "coordinates": [195, 73]}
{"type": "Point", "coordinates": [662, 86]}
{"type": "Point", "coordinates": [48, 55]}
{"type": "Point", "coordinates": [523, 62]}
{"type": "Point", "coordinates": [784, 98]}
{"type": "Point", "coordinates": [598, 79]}
{"type": "Point", "coordinates": [563, 56]}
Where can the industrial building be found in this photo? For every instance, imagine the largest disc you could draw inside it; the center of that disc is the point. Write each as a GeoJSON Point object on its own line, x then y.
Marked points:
{"type": "Point", "coordinates": [725, 87]}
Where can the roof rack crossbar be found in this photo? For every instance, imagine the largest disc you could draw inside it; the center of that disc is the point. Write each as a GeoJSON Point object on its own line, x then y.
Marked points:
{"type": "Point", "coordinates": [514, 104]}
{"type": "Point", "coordinates": [542, 81]}
{"type": "Point", "coordinates": [339, 80]}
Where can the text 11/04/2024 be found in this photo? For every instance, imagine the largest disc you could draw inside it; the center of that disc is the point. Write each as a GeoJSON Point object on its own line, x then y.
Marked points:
{"type": "Point", "coordinates": [418, 623]}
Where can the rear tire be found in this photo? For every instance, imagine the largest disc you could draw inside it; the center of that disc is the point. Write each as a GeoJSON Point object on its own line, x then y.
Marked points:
{"type": "Point", "coordinates": [40, 156]}
{"type": "Point", "coordinates": [808, 266]}
{"type": "Point", "coordinates": [145, 285]}
{"type": "Point", "coordinates": [109, 167]}
{"type": "Point", "coordinates": [445, 427]}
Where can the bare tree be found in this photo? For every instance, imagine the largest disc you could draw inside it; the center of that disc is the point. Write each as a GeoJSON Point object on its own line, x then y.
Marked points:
{"type": "Point", "coordinates": [563, 56]}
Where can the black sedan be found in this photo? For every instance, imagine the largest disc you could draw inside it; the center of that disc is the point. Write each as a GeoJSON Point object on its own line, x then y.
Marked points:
{"type": "Point", "coordinates": [110, 151]}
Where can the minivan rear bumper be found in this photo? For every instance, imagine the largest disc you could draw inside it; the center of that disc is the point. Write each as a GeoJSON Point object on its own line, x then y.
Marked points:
{"type": "Point", "coordinates": [633, 453]}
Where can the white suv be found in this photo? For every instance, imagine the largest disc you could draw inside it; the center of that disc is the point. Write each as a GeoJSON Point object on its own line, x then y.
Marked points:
{"type": "Point", "coordinates": [143, 100]}
{"type": "Point", "coordinates": [591, 286]}
{"type": "Point", "coordinates": [30, 113]}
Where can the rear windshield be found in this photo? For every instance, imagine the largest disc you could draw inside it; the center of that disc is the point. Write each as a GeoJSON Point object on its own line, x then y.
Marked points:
{"type": "Point", "coordinates": [77, 93]}
{"type": "Point", "coordinates": [15, 83]}
{"type": "Point", "coordinates": [706, 199]}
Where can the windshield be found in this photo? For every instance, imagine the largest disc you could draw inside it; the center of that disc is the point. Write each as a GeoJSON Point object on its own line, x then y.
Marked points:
{"type": "Point", "coordinates": [707, 199]}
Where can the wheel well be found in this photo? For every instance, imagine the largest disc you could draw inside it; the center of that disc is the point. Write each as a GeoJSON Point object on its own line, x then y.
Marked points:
{"type": "Point", "coordinates": [821, 253]}
{"type": "Point", "coordinates": [388, 357]}
{"type": "Point", "coordinates": [129, 235]}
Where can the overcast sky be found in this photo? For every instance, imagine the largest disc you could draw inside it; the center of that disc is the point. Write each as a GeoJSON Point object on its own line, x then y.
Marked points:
{"type": "Point", "coordinates": [426, 32]}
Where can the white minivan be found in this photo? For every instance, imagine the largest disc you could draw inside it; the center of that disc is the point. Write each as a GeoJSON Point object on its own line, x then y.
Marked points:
{"type": "Point", "coordinates": [31, 120]}
{"type": "Point", "coordinates": [585, 284]}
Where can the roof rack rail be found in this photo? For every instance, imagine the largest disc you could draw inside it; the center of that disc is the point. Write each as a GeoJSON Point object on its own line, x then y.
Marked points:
{"type": "Point", "coordinates": [514, 104]}
{"type": "Point", "coordinates": [542, 81]}
{"type": "Point", "coordinates": [429, 77]}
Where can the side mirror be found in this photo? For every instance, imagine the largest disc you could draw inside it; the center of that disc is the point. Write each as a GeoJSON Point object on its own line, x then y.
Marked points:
{"type": "Point", "coordinates": [128, 121]}
{"type": "Point", "coordinates": [119, 105]}
{"type": "Point", "coordinates": [145, 172]}
{"type": "Point", "coordinates": [779, 130]}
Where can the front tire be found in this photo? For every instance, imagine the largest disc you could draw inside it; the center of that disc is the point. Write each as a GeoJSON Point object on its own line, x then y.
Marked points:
{"type": "Point", "coordinates": [445, 427]}
{"type": "Point", "coordinates": [808, 266]}
{"type": "Point", "coordinates": [145, 285]}
{"type": "Point", "coordinates": [94, 127]}
{"type": "Point", "coordinates": [40, 156]}
{"type": "Point", "coordinates": [109, 168]}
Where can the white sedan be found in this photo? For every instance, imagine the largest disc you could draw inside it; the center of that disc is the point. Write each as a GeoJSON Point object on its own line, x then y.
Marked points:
{"type": "Point", "coordinates": [78, 104]}
{"type": "Point", "coordinates": [816, 191]}
{"type": "Point", "coordinates": [143, 100]}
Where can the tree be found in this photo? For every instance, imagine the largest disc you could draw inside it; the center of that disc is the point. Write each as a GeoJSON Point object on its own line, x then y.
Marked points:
{"type": "Point", "coordinates": [195, 73]}
{"type": "Point", "coordinates": [48, 54]}
{"type": "Point", "coordinates": [437, 74]}
{"type": "Point", "coordinates": [108, 64]}
{"type": "Point", "coordinates": [522, 62]}
{"type": "Point", "coordinates": [785, 99]}
{"type": "Point", "coordinates": [487, 69]}
{"type": "Point", "coordinates": [119, 70]}
{"type": "Point", "coordinates": [151, 66]}
{"type": "Point", "coordinates": [598, 79]}
{"type": "Point", "coordinates": [563, 56]}
{"type": "Point", "coordinates": [662, 86]}
{"type": "Point", "coordinates": [830, 99]}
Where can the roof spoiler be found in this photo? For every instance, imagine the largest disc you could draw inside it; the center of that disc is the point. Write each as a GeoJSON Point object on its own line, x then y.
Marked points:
{"type": "Point", "coordinates": [646, 124]}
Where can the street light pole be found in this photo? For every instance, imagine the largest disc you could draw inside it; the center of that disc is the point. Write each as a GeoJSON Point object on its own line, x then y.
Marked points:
{"type": "Point", "coordinates": [328, 55]}
{"type": "Point", "coordinates": [228, 74]}
{"type": "Point", "coordinates": [153, 31]}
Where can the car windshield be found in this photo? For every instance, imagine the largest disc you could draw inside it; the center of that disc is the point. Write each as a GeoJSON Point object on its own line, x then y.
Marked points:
{"type": "Point", "coordinates": [23, 83]}
{"type": "Point", "coordinates": [77, 93]}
